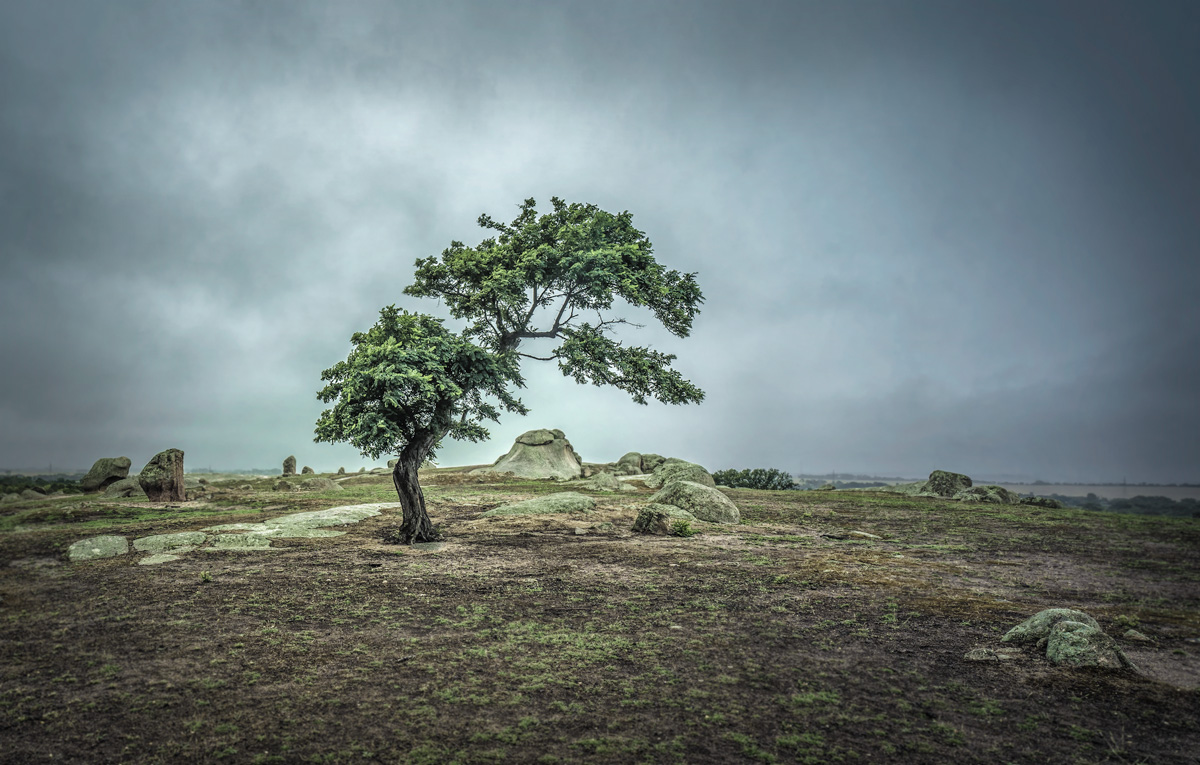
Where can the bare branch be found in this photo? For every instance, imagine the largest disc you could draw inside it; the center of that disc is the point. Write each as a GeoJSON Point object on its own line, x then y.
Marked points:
{"type": "Point", "coordinates": [539, 358]}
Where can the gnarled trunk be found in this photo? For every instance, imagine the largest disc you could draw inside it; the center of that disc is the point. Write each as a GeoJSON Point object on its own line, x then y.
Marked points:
{"type": "Point", "coordinates": [416, 526]}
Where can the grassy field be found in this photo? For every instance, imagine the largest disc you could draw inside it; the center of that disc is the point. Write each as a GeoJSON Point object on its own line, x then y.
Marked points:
{"type": "Point", "coordinates": [568, 639]}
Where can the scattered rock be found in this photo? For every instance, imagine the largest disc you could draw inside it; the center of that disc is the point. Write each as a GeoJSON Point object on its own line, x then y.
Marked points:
{"type": "Point", "coordinates": [539, 454]}
{"type": "Point", "coordinates": [1049, 502]}
{"type": "Point", "coordinates": [679, 470]}
{"type": "Point", "coordinates": [105, 471]}
{"type": "Point", "coordinates": [703, 502]}
{"type": "Point", "coordinates": [981, 654]}
{"type": "Point", "coordinates": [1076, 644]}
{"type": "Point", "coordinates": [162, 478]}
{"type": "Point", "coordinates": [289, 466]}
{"type": "Point", "coordinates": [1037, 627]}
{"type": "Point", "coordinates": [990, 494]}
{"type": "Point", "coordinates": [98, 547]}
{"type": "Point", "coordinates": [946, 484]}
{"type": "Point", "coordinates": [657, 518]}
{"type": "Point", "coordinates": [126, 487]}
{"type": "Point", "coordinates": [1134, 636]}
{"type": "Point", "coordinates": [562, 502]}
{"type": "Point", "coordinates": [306, 470]}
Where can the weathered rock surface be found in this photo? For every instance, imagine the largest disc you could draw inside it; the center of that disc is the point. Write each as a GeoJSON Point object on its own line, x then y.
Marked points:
{"type": "Point", "coordinates": [1049, 502]}
{"type": "Point", "coordinates": [126, 487]}
{"type": "Point", "coordinates": [678, 470]}
{"type": "Point", "coordinates": [652, 461]}
{"type": "Point", "coordinates": [704, 502]}
{"type": "Point", "coordinates": [162, 478]}
{"type": "Point", "coordinates": [1076, 644]}
{"type": "Point", "coordinates": [946, 484]}
{"type": "Point", "coordinates": [990, 494]}
{"type": "Point", "coordinates": [562, 502]}
{"type": "Point", "coordinates": [306, 470]}
{"type": "Point", "coordinates": [289, 466]}
{"type": "Point", "coordinates": [656, 518]}
{"type": "Point", "coordinates": [105, 471]}
{"type": "Point", "coordinates": [539, 454]}
{"type": "Point", "coordinates": [184, 541]}
{"type": "Point", "coordinates": [106, 546]}
{"type": "Point", "coordinates": [605, 482]}
{"type": "Point", "coordinates": [341, 471]}
{"type": "Point", "coordinates": [31, 494]}
{"type": "Point", "coordinates": [1038, 626]}
{"type": "Point", "coordinates": [284, 486]}
{"type": "Point", "coordinates": [629, 464]}
{"type": "Point", "coordinates": [320, 484]}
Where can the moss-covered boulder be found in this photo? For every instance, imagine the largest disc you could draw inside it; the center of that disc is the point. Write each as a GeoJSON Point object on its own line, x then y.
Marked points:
{"type": "Point", "coordinates": [1048, 502]}
{"type": "Point", "coordinates": [679, 470]}
{"type": "Point", "coordinates": [162, 478]}
{"type": "Point", "coordinates": [106, 546]}
{"type": "Point", "coordinates": [1038, 626]}
{"type": "Point", "coordinates": [306, 470]}
{"type": "Point", "coordinates": [703, 502]}
{"type": "Point", "coordinates": [539, 454]}
{"type": "Point", "coordinates": [989, 494]}
{"type": "Point", "coordinates": [320, 484]}
{"type": "Point", "coordinates": [946, 484]}
{"type": "Point", "coordinates": [565, 502]}
{"type": "Point", "coordinates": [105, 471]}
{"type": "Point", "coordinates": [652, 461]}
{"type": "Point", "coordinates": [657, 518]}
{"type": "Point", "coordinates": [629, 464]}
{"type": "Point", "coordinates": [1076, 644]}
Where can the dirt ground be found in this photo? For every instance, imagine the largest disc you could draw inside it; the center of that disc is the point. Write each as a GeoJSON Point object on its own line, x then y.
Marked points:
{"type": "Point", "coordinates": [569, 639]}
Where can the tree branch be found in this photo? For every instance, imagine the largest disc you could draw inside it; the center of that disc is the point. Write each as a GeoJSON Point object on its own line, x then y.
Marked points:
{"type": "Point", "coordinates": [539, 358]}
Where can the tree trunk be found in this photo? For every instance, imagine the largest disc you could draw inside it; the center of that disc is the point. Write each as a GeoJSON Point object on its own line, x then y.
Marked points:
{"type": "Point", "coordinates": [416, 526]}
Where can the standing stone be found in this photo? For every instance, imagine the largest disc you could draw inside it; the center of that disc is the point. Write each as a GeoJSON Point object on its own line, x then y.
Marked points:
{"type": "Point", "coordinates": [289, 466]}
{"type": "Point", "coordinates": [105, 471]}
{"type": "Point", "coordinates": [307, 471]}
{"type": "Point", "coordinates": [341, 471]}
{"type": "Point", "coordinates": [162, 478]}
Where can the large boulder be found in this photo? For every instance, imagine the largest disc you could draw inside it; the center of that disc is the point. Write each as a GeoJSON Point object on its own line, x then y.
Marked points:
{"type": "Point", "coordinates": [126, 487]}
{"type": "Point", "coordinates": [320, 484]}
{"type": "Point", "coordinates": [105, 471]}
{"type": "Point", "coordinates": [946, 484]}
{"type": "Point", "coordinates": [539, 454]}
{"type": "Point", "coordinates": [1075, 644]}
{"type": "Point", "coordinates": [703, 502]}
{"type": "Point", "coordinates": [651, 461]}
{"type": "Point", "coordinates": [657, 518]}
{"type": "Point", "coordinates": [562, 502]}
{"type": "Point", "coordinates": [678, 470]}
{"type": "Point", "coordinates": [629, 464]}
{"type": "Point", "coordinates": [306, 470]}
{"type": "Point", "coordinates": [162, 478]}
{"type": "Point", "coordinates": [289, 466]}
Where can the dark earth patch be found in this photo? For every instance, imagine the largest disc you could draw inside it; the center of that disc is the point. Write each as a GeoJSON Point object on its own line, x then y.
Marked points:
{"type": "Point", "coordinates": [522, 640]}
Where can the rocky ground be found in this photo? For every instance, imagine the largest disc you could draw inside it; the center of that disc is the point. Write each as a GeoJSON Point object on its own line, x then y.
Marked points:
{"type": "Point", "coordinates": [826, 627]}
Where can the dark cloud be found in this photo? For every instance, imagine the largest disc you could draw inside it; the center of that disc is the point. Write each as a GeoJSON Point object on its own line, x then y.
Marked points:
{"type": "Point", "coordinates": [929, 234]}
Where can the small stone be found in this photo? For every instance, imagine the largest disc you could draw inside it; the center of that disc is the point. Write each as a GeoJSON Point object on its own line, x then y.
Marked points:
{"type": "Point", "coordinates": [863, 535]}
{"type": "Point", "coordinates": [579, 532]}
{"type": "Point", "coordinates": [981, 654]}
{"type": "Point", "coordinates": [1134, 636]}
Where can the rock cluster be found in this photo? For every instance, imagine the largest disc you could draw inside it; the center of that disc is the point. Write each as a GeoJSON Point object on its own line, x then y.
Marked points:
{"type": "Point", "coordinates": [1069, 638]}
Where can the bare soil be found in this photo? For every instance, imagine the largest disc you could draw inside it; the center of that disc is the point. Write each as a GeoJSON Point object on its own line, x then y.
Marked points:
{"type": "Point", "coordinates": [566, 639]}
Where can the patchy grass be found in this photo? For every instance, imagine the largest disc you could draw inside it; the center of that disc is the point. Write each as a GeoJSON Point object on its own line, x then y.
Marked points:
{"type": "Point", "coordinates": [780, 640]}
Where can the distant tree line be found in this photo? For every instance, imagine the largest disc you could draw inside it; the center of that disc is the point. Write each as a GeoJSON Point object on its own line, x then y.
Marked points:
{"type": "Point", "coordinates": [756, 478]}
{"type": "Point", "coordinates": [1139, 505]}
{"type": "Point", "coordinates": [46, 484]}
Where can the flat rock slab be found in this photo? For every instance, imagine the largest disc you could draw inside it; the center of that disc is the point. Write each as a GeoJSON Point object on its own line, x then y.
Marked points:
{"type": "Point", "coordinates": [98, 547]}
{"type": "Point", "coordinates": [240, 542]}
{"type": "Point", "coordinates": [173, 542]}
{"type": "Point", "coordinates": [153, 560]}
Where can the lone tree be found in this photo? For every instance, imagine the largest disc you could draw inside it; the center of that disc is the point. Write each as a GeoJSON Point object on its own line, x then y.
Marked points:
{"type": "Point", "coordinates": [409, 382]}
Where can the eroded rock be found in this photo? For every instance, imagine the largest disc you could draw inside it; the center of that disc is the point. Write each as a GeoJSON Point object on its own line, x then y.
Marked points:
{"type": "Point", "coordinates": [289, 466]}
{"type": "Point", "coordinates": [539, 454]}
{"type": "Point", "coordinates": [105, 471]}
{"type": "Point", "coordinates": [678, 470]}
{"type": "Point", "coordinates": [946, 484]}
{"type": "Point", "coordinates": [162, 478]}
{"type": "Point", "coordinates": [704, 502]}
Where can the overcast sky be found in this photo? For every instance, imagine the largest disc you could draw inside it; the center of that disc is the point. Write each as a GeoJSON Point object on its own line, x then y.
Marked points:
{"type": "Point", "coordinates": [958, 235]}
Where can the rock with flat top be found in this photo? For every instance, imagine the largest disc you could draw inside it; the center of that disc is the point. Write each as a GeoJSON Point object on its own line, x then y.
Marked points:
{"type": "Point", "coordinates": [539, 454]}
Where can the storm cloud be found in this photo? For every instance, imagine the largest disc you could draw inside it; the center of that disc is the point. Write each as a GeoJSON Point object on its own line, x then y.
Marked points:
{"type": "Point", "coordinates": [930, 234]}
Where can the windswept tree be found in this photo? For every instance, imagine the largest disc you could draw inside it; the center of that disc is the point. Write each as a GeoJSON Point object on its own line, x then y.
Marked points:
{"type": "Point", "coordinates": [409, 382]}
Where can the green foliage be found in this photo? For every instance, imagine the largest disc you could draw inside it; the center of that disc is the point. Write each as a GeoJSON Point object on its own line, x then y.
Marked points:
{"type": "Point", "coordinates": [757, 478]}
{"type": "Point", "coordinates": [409, 378]}
{"type": "Point", "coordinates": [682, 528]}
{"type": "Point", "coordinates": [539, 274]}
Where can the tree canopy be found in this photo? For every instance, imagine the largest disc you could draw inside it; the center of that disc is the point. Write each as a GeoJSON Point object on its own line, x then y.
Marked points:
{"type": "Point", "coordinates": [541, 276]}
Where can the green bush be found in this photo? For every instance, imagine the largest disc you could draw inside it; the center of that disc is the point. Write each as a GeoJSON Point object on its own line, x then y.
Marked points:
{"type": "Point", "coordinates": [758, 478]}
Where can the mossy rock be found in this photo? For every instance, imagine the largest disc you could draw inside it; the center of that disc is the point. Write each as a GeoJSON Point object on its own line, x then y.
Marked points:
{"type": "Point", "coordinates": [162, 543]}
{"type": "Point", "coordinates": [107, 546]}
{"type": "Point", "coordinates": [679, 470]}
{"type": "Point", "coordinates": [629, 464]}
{"type": "Point", "coordinates": [946, 484]}
{"type": "Point", "coordinates": [657, 518]}
{"type": "Point", "coordinates": [564, 502]}
{"type": "Point", "coordinates": [1047, 502]}
{"type": "Point", "coordinates": [988, 494]}
{"type": "Point", "coordinates": [1038, 626]}
{"type": "Point", "coordinates": [539, 454]}
{"type": "Point", "coordinates": [105, 471]}
{"type": "Point", "coordinates": [652, 461]}
{"type": "Point", "coordinates": [1076, 644]}
{"type": "Point", "coordinates": [704, 502]}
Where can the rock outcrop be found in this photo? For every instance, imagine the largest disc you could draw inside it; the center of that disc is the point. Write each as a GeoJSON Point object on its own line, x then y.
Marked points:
{"type": "Point", "coordinates": [605, 482]}
{"type": "Point", "coordinates": [946, 484]}
{"type": "Point", "coordinates": [306, 470]}
{"type": "Point", "coordinates": [105, 471]}
{"type": "Point", "coordinates": [989, 494]}
{"type": "Point", "coordinates": [562, 502]}
{"type": "Point", "coordinates": [539, 454]}
{"type": "Point", "coordinates": [289, 466]}
{"type": "Point", "coordinates": [678, 470]}
{"type": "Point", "coordinates": [704, 502]}
{"type": "Point", "coordinates": [162, 478]}
{"type": "Point", "coordinates": [629, 464]}
{"type": "Point", "coordinates": [126, 487]}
